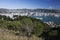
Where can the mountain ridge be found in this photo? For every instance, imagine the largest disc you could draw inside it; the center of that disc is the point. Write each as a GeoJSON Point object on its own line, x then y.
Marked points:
{"type": "Point", "coordinates": [30, 10]}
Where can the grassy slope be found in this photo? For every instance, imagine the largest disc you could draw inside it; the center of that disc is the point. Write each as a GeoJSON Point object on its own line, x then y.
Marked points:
{"type": "Point", "coordinates": [7, 35]}
{"type": "Point", "coordinates": [27, 23]}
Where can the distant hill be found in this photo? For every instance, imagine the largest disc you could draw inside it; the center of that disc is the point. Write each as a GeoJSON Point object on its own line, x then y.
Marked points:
{"type": "Point", "coordinates": [2, 10]}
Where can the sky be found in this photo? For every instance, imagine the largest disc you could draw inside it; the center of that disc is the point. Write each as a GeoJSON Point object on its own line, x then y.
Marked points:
{"type": "Point", "coordinates": [30, 4]}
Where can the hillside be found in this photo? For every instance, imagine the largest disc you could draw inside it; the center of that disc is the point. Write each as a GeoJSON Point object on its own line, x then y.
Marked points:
{"type": "Point", "coordinates": [26, 28]}
{"type": "Point", "coordinates": [9, 35]}
{"type": "Point", "coordinates": [22, 26]}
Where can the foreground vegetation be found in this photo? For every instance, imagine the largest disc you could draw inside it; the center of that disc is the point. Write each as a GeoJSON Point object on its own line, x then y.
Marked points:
{"type": "Point", "coordinates": [28, 28]}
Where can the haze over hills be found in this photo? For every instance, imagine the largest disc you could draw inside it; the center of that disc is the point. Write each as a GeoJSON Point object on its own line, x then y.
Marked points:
{"type": "Point", "coordinates": [31, 12]}
{"type": "Point", "coordinates": [45, 14]}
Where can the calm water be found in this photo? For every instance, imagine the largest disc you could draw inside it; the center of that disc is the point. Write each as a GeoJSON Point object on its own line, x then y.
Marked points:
{"type": "Point", "coordinates": [49, 18]}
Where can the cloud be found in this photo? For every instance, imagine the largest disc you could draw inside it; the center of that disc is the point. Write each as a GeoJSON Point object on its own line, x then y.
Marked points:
{"type": "Point", "coordinates": [50, 7]}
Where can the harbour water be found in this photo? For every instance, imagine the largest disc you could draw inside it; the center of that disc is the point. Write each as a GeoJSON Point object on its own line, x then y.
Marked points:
{"type": "Point", "coordinates": [48, 18]}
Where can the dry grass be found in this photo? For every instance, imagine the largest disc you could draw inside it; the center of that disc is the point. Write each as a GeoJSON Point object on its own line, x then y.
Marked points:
{"type": "Point", "coordinates": [6, 35]}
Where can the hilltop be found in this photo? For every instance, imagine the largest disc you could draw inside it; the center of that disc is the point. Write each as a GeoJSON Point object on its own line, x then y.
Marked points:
{"type": "Point", "coordinates": [21, 26]}
{"type": "Point", "coordinates": [26, 28]}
